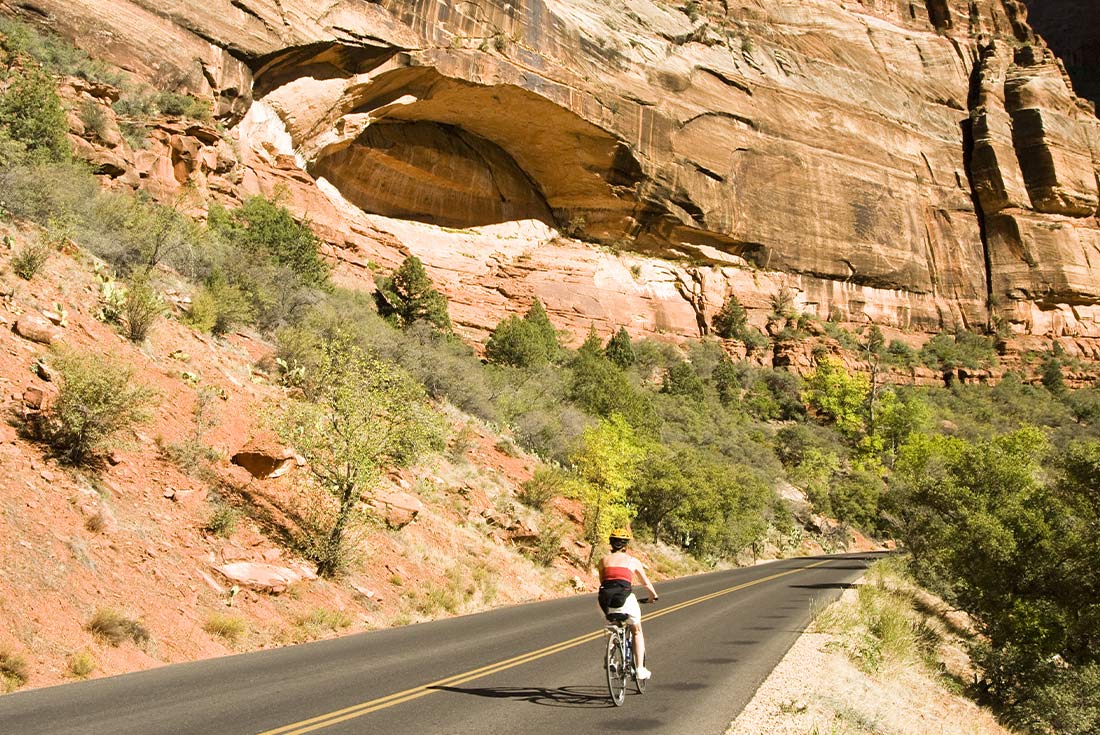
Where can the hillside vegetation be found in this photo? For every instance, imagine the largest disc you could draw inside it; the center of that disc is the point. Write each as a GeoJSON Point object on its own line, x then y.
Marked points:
{"type": "Point", "coordinates": [992, 488]}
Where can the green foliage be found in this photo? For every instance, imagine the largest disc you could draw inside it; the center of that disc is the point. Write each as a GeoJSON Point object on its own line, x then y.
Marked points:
{"type": "Point", "coordinates": [854, 499]}
{"type": "Point", "coordinates": [408, 296]}
{"type": "Point", "coordinates": [835, 393]}
{"type": "Point", "coordinates": [947, 353]}
{"type": "Point", "coordinates": [546, 484]}
{"type": "Point", "coordinates": [188, 106]}
{"type": "Point", "coordinates": [606, 465]}
{"type": "Point", "coordinates": [361, 415]}
{"type": "Point", "coordinates": [99, 397]}
{"type": "Point", "coordinates": [56, 54]}
{"type": "Point", "coordinates": [682, 380]}
{"type": "Point", "coordinates": [602, 389]}
{"type": "Point", "coordinates": [1051, 372]}
{"type": "Point", "coordinates": [731, 320]}
{"type": "Point", "coordinates": [529, 342]}
{"type": "Point", "coordinates": [30, 258]}
{"type": "Point", "coordinates": [261, 227]}
{"type": "Point", "coordinates": [33, 127]}
{"type": "Point", "coordinates": [1006, 529]}
{"type": "Point", "coordinates": [223, 520]}
{"type": "Point", "coordinates": [141, 308]}
{"type": "Point", "coordinates": [727, 381]}
{"type": "Point", "coordinates": [619, 349]}
{"type": "Point", "coordinates": [219, 307]}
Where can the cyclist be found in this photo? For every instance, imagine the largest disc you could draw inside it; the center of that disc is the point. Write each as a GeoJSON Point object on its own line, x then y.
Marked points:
{"type": "Point", "coordinates": [617, 572]}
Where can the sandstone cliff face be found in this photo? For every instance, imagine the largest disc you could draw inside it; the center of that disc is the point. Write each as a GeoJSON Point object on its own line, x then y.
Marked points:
{"type": "Point", "coordinates": [917, 164]}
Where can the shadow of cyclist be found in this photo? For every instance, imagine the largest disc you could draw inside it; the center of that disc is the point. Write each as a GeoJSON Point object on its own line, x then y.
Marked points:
{"type": "Point", "coordinates": [589, 697]}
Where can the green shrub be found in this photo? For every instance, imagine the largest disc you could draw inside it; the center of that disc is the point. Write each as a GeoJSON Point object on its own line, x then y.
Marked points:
{"type": "Point", "coordinates": [546, 484]}
{"type": "Point", "coordinates": [619, 349]}
{"type": "Point", "coordinates": [33, 120]}
{"type": "Point", "coordinates": [94, 118]}
{"type": "Point", "coordinates": [682, 380]}
{"type": "Point", "coordinates": [58, 55]}
{"type": "Point", "coordinates": [141, 308]}
{"type": "Point", "coordinates": [228, 627]}
{"type": "Point", "coordinates": [29, 260]}
{"type": "Point", "coordinates": [98, 398]}
{"type": "Point", "coordinates": [219, 307]}
{"type": "Point", "coordinates": [223, 520]}
{"type": "Point", "coordinates": [261, 227]}
{"type": "Point", "coordinates": [81, 665]}
{"type": "Point", "coordinates": [114, 628]}
{"type": "Point", "coordinates": [13, 671]}
{"type": "Point", "coordinates": [547, 547]}
{"type": "Point", "coordinates": [183, 105]}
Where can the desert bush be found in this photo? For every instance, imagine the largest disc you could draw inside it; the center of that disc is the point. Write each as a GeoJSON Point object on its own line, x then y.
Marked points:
{"type": "Point", "coordinates": [55, 195]}
{"type": "Point", "coordinates": [114, 628]}
{"type": "Point", "coordinates": [58, 55]}
{"type": "Point", "coordinates": [93, 117]}
{"type": "Point", "coordinates": [223, 520]}
{"type": "Point", "coordinates": [81, 665]}
{"type": "Point", "coordinates": [182, 105]}
{"type": "Point", "coordinates": [321, 619]}
{"type": "Point", "coordinates": [546, 484]}
{"type": "Point", "coordinates": [219, 307]}
{"type": "Point", "coordinates": [547, 547]}
{"type": "Point", "coordinates": [98, 398]}
{"type": "Point", "coordinates": [32, 121]}
{"type": "Point", "coordinates": [228, 627]}
{"type": "Point", "coordinates": [141, 308]}
{"type": "Point", "coordinates": [261, 227]}
{"type": "Point", "coordinates": [527, 342]}
{"type": "Point", "coordinates": [13, 671]}
{"type": "Point", "coordinates": [31, 257]}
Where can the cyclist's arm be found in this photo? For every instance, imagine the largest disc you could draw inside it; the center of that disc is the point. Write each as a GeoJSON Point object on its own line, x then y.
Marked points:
{"type": "Point", "coordinates": [640, 571]}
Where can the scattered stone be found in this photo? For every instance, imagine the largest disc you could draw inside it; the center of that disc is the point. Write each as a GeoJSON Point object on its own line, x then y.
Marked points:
{"type": "Point", "coordinates": [36, 329]}
{"type": "Point", "coordinates": [265, 457]}
{"type": "Point", "coordinates": [395, 508]}
{"type": "Point", "coordinates": [34, 398]}
{"type": "Point", "coordinates": [114, 458]}
{"type": "Point", "coordinates": [58, 317]}
{"type": "Point", "coordinates": [260, 577]}
{"type": "Point", "coordinates": [45, 372]}
{"type": "Point", "coordinates": [8, 434]}
{"type": "Point", "coordinates": [270, 555]}
{"type": "Point", "coordinates": [180, 355]}
{"type": "Point", "coordinates": [212, 583]}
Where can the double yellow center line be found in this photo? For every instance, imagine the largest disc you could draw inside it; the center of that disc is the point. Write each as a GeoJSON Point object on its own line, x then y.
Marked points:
{"type": "Point", "coordinates": [365, 708]}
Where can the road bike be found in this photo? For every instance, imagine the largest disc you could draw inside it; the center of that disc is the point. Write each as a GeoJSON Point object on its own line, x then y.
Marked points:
{"type": "Point", "coordinates": [619, 658]}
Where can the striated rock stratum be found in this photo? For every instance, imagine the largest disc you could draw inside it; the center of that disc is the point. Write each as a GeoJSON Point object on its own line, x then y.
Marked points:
{"type": "Point", "coordinates": [922, 164]}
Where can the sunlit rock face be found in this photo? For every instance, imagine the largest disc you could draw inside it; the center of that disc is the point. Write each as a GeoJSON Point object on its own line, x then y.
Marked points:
{"type": "Point", "coordinates": [1072, 28]}
{"type": "Point", "coordinates": [920, 163]}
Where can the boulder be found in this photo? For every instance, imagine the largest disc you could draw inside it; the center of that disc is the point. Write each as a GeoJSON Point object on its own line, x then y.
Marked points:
{"type": "Point", "coordinates": [396, 508]}
{"type": "Point", "coordinates": [266, 458]}
{"type": "Point", "coordinates": [260, 577]}
{"type": "Point", "coordinates": [36, 328]}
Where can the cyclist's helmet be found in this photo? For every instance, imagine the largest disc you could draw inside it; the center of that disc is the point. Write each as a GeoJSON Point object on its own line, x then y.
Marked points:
{"type": "Point", "coordinates": [619, 538]}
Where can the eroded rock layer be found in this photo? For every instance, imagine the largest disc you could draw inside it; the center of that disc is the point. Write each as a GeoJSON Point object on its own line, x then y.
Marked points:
{"type": "Point", "coordinates": [931, 151]}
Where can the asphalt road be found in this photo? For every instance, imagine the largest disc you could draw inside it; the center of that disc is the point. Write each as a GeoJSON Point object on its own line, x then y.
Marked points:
{"type": "Point", "coordinates": [532, 669]}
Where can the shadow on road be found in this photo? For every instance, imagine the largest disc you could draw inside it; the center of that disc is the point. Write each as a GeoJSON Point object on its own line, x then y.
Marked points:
{"type": "Point", "coordinates": [589, 697]}
{"type": "Point", "coordinates": [825, 586]}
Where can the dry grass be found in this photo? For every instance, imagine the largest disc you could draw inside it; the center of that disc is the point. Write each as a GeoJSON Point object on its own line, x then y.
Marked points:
{"type": "Point", "coordinates": [13, 671]}
{"type": "Point", "coordinates": [227, 627]}
{"type": "Point", "coordinates": [877, 661]}
{"type": "Point", "coordinates": [114, 628]}
{"type": "Point", "coordinates": [318, 623]}
{"type": "Point", "coordinates": [81, 665]}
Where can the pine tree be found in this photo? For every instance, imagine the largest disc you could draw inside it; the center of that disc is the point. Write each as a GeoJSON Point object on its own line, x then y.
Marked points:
{"type": "Point", "coordinates": [619, 349]}
{"type": "Point", "coordinates": [731, 319]}
{"type": "Point", "coordinates": [408, 296]}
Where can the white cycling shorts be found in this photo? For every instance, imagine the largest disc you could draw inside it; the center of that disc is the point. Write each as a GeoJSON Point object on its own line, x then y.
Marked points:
{"type": "Point", "coordinates": [630, 608]}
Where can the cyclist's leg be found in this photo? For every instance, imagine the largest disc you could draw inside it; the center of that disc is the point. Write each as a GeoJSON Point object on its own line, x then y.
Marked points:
{"type": "Point", "coordinates": [639, 645]}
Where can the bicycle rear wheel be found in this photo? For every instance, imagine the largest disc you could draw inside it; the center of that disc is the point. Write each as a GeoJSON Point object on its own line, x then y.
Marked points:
{"type": "Point", "coordinates": [615, 663]}
{"type": "Point", "coordinates": [639, 684]}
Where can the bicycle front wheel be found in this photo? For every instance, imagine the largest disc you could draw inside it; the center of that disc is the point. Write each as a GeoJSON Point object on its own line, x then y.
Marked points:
{"type": "Point", "coordinates": [615, 663]}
